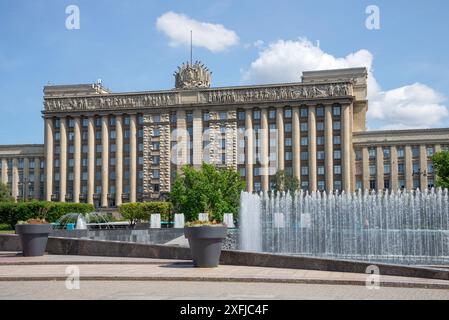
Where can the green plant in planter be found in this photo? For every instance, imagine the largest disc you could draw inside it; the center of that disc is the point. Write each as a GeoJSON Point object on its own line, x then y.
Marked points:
{"type": "Point", "coordinates": [199, 223]}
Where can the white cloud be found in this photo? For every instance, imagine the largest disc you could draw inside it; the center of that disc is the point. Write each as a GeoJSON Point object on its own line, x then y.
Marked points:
{"type": "Point", "coordinates": [411, 106]}
{"type": "Point", "coordinates": [214, 37]}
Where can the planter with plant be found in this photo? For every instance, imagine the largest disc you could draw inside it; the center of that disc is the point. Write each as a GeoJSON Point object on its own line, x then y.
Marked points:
{"type": "Point", "coordinates": [205, 241]}
{"type": "Point", "coordinates": [34, 235]}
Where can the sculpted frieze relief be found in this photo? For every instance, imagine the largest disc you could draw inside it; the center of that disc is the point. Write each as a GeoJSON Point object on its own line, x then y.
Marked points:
{"type": "Point", "coordinates": [293, 92]}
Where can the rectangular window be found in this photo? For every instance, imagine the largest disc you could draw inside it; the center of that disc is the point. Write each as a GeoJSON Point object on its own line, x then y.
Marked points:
{"type": "Point", "coordinates": [358, 155]}
{"type": "Point", "coordinates": [337, 169]}
{"type": "Point", "coordinates": [320, 170]}
{"type": "Point", "coordinates": [206, 116]}
{"type": "Point", "coordinates": [320, 141]}
{"type": "Point", "coordinates": [336, 110]}
{"type": "Point", "coordinates": [156, 118]}
{"type": "Point", "coordinates": [337, 140]}
{"type": "Point", "coordinates": [156, 133]}
{"type": "Point", "coordinates": [256, 114]}
{"type": "Point", "coordinates": [241, 115]}
{"type": "Point", "coordinates": [372, 169]}
{"type": "Point", "coordinates": [304, 112]}
{"type": "Point", "coordinates": [401, 168]}
{"type": "Point", "coordinates": [320, 126]}
{"type": "Point", "coordinates": [337, 154]}
{"type": "Point", "coordinates": [223, 115]}
{"type": "Point", "coordinates": [320, 112]}
{"type": "Point", "coordinates": [304, 141]}
{"type": "Point", "coordinates": [400, 151]}
{"type": "Point", "coordinates": [321, 185]}
{"type": "Point", "coordinates": [288, 156]}
{"type": "Point", "coordinates": [304, 126]}
{"type": "Point", "coordinates": [288, 113]}
{"type": "Point", "coordinates": [242, 172]}
{"type": "Point", "coordinates": [386, 184]}
{"type": "Point", "coordinates": [320, 155]}
{"type": "Point", "coordinates": [305, 171]}
{"type": "Point", "coordinates": [288, 142]}
{"type": "Point", "coordinates": [430, 151]}
{"type": "Point", "coordinates": [288, 127]}
{"type": "Point", "coordinates": [415, 152]}
{"type": "Point", "coordinates": [372, 153]}
{"type": "Point", "coordinates": [304, 155]}
{"type": "Point", "coordinates": [337, 125]}
{"type": "Point", "coordinates": [155, 174]}
{"type": "Point", "coordinates": [386, 152]}
{"type": "Point", "coordinates": [430, 168]}
{"type": "Point", "coordinates": [386, 168]}
{"type": "Point", "coordinates": [372, 185]}
{"type": "Point", "coordinates": [272, 114]}
{"type": "Point", "coordinates": [416, 168]}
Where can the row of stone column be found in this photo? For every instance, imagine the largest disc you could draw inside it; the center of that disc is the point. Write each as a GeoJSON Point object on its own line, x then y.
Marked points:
{"type": "Point", "coordinates": [346, 145]}
{"type": "Point", "coordinates": [49, 152]}
{"type": "Point", "coordinates": [25, 174]}
{"type": "Point", "coordinates": [393, 161]}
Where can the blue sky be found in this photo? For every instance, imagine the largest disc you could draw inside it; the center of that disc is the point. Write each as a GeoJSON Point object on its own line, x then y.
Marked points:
{"type": "Point", "coordinates": [122, 43]}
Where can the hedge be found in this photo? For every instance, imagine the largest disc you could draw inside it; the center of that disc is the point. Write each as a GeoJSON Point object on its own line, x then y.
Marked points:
{"type": "Point", "coordinates": [11, 212]}
{"type": "Point", "coordinates": [142, 210]}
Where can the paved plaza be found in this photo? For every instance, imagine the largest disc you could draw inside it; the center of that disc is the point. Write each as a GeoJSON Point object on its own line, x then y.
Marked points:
{"type": "Point", "coordinates": [137, 278]}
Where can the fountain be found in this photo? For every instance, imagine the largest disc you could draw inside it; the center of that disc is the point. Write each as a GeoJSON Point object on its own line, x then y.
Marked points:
{"type": "Point", "coordinates": [228, 219]}
{"type": "Point", "coordinates": [203, 217]}
{"type": "Point", "coordinates": [179, 221]}
{"type": "Point", "coordinates": [406, 227]}
{"type": "Point", "coordinates": [155, 221]}
{"type": "Point", "coordinates": [83, 221]}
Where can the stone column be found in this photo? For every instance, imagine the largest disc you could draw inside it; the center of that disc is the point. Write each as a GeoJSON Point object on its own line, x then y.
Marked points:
{"type": "Point", "coordinates": [91, 160]}
{"type": "Point", "coordinates": [15, 179]}
{"type": "Point", "coordinates": [105, 161]}
{"type": "Point", "coordinates": [25, 178]}
{"type": "Point", "coordinates": [181, 139]}
{"type": "Point", "coordinates": [119, 161]}
{"type": "Point", "coordinates": [63, 161]}
{"type": "Point", "coordinates": [329, 148]}
{"type": "Point", "coordinates": [365, 164]}
{"type": "Point", "coordinates": [77, 161]}
{"type": "Point", "coordinates": [264, 149]}
{"type": "Point", "coordinates": [37, 178]}
{"type": "Point", "coordinates": [133, 159]}
{"type": "Point", "coordinates": [380, 168]}
{"type": "Point", "coordinates": [312, 150]}
{"type": "Point", "coordinates": [423, 166]}
{"type": "Point", "coordinates": [280, 138]}
{"type": "Point", "coordinates": [346, 147]}
{"type": "Point", "coordinates": [296, 143]}
{"type": "Point", "coordinates": [394, 168]}
{"type": "Point", "coordinates": [249, 150]}
{"type": "Point", "coordinates": [48, 158]}
{"type": "Point", "coordinates": [197, 138]}
{"type": "Point", "coordinates": [408, 168]}
{"type": "Point", "coordinates": [4, 171]}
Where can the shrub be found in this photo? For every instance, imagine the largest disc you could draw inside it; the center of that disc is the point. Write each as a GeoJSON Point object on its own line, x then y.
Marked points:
{"type": "Point", "coordinates": [11, 213]}
{"type": "Point", "coordinates": [134, 212]}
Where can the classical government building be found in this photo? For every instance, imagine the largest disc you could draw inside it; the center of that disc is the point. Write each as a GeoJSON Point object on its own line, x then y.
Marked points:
{"type": "Point", "coordinates": [108, 148]}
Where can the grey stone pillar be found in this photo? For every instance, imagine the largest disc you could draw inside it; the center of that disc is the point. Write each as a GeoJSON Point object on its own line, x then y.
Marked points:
{"type": "Point", "coordinates": [77, 161]}
{"type": "Point", "coordinates": [49, 158]}
{"type": "Point", "coordinates": [329, 148]}
{"type": "Point", "coordinates": [63, 162]}
{"type": "Point", "coordinates": [119, 161]}
{"type": "Point", "coordinates": [312, 150]}
{"type": "Point", "coordinates": [133, 160]}
{"type": "Point", "coordinates": [105, 161]}
{"type": "Point", "coordinates": [91, 160]}
{"type": "Point", "coordinates": [249, 150]}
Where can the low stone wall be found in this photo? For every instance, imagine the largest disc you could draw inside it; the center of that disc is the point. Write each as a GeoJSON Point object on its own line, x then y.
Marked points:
{"type": "Point", "coordinates": [66, 246]}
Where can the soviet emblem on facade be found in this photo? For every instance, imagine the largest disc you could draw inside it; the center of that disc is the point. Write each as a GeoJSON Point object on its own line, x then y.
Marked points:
{"type": "Point", "coordinates": [192, 76]}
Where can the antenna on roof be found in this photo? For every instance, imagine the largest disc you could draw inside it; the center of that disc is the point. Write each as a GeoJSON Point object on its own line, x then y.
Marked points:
{"type": "Point", "coordinates": [191, 47]}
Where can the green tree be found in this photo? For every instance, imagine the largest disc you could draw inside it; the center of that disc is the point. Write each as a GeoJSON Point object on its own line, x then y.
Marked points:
{"type": "Point", "coordinates": [283, 182]}
{"type": "Point", "coordinates": [5, 193]}
{"type": "Point", "coordinates": [210, 190]}
{"type": "Point", "coordinates": [441, 163]}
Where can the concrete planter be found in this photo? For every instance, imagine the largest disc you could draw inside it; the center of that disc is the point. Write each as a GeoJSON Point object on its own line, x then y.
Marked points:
{"type": "Point", "coordinates": [34, 238]}
{"type": "Point", "coordinates": [205, 244]}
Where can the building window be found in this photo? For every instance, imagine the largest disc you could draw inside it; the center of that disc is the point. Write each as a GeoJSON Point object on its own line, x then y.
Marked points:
{"type": "Point", "coordinates": [288, 113]}
{"type": "Point", "coordinates": [386, 184]}
{"type": "Point", "coordinates": [156, 118]}
{"type": "Point", "coordinates": [401, 168]}
{"type": "Point", "coordinates": [126, 120]}
{"type": "Point", "coordinates": [358, 155]}
{"type": "Point", "coordinates": [288, 127]}
{"type": "Point", "coordinates": [401, 183]}
{"type": "Point", "coordinates": [304, 126]}
{"type": "Point", "coordinates": [155, 174]}
{"type": "Point", "coordinates": [256, 114]}
{"type": "Point", "coordinates": [337, 140]}
{"type": "Point", "coordinates": [415, 152]}
{"type": "Point", "coordinates": [305, 171]}
{"type": "Point", "coordinates": [400, 151]}
{"type": "Point", "coordinates": [337, 185]}
{"type": "Point", "coordinates": [416, 183]}
{"type": "Point", "coordinates": [358, 185]}
{"type": "Point", "coordinates": [372, 152]}
{"type": "Point", "coordinates": [372, 169]}
{"type": "Point", "coordinates": [113, 147]}
{"type": "Point", "coordinates": [337, 169]}
{"type": "Point", "coordinates": [272, 114]}
{"type": "Point", "coordinates": [430, 151]}
{"type": "Point", "coordinates": [57, 136]}
{"type": "Point", "coordinates": [320, 155]}
{"type": "Point", "coordinates": [372, 185]}
{"type": "Point", "coordinates": [304, 112]}
{"type": "Point", "coordinates": [288, 156]}
{"type": "Point", "coordinates": [386, 152]}
{"type": "Point", "coordinates": [288, 142]}
{"type": "Point", "coordinates": [321, 185]}
{"type": "Point", "coordinates": [320, 170]}
{"type": "Point", "coordinates": [304, 155]}
{"type": "Point", "coordinates": [337, 125]}
{"type": "Point", "coordinates": [112, 121]}
{"type": "Point", "coordinates": [386, 168]}
{"type": "Point", "coordinates": [430, 168]}
{"type": "Point", "coordinates": [337, 154]}
{"type": "Point", "coordinates": [320, 141]}
{"type": "Point", "coordinates": [320, 112]}
{"type": "Point", "coordinates": [156, 133]}
{"type": "Point", "coordinates": [206, 116]}
{"type": "Point", "coordinates": [155, 159]}
{"type": "Point", "coordinates": [241, 115]}
{"type": "Point", "coordinates": [336, 111]}
{"type": "Point", "coordinates": [320, 126]}
{"type": "Point", "coordinates": [257, 186]}
{"type": "Point", "coordinates": [304, 141]}
{"type": "Point", "coordinates": [155, 145]}
{"type": "Point", "coordinates": [304, 185]}
{"type": "Point", "coordinates": [242, 172]}
{"type": "Point", "coordinates": [431, 183]}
